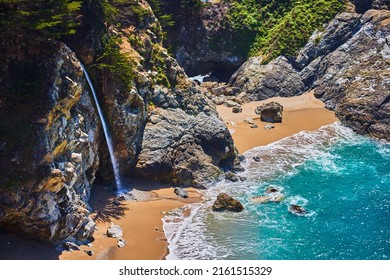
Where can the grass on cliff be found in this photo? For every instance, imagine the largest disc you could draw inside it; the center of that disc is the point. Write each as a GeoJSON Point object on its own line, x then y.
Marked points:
{"type": "Point", "coordinates": [270, 28]}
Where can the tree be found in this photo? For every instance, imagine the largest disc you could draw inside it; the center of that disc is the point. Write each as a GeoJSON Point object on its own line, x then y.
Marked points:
{"type": "Point", "coordinates": [52, 18]}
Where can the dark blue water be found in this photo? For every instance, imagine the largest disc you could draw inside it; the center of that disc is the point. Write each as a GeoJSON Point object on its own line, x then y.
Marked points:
{"type": "Point", "coordinates": [341, 179]}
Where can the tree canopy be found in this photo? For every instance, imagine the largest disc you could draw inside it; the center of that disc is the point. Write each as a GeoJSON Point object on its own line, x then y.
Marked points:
{"type": "Point", "coordinates": [52, 18]}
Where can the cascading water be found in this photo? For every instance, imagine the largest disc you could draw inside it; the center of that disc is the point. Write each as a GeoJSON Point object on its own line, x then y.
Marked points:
{"type": "Point", "coordinates": [107, 135]}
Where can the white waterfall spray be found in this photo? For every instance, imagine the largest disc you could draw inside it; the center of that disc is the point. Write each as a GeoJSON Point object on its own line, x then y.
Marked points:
{"type": "Point", "coordinates": [107, 135]}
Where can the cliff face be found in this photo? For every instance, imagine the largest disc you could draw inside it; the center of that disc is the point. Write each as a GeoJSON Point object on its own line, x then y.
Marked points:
{"type": "Point", "coordinates": [163, 127]}
{"type": "Point", "coordinates": [205, 43]}
{"type": "Point", "coordinates": [347, 66]}
{"type": "Point", "coordinates": [49, 141]}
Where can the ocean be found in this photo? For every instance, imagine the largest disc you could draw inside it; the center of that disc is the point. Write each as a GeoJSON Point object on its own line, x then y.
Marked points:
{"type": "Point", "coordinates": [341, 179]}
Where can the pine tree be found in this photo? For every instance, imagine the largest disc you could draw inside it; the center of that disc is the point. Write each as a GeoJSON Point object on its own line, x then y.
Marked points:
{"type": "Point", "coordinates": [52, 18]}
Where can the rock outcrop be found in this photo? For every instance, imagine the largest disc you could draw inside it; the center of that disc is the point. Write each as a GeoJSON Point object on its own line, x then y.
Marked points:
{"type": "Point", "coordinates": [347, 66]}
{"type": "Point", "coordinates": [49, 138]}
{"type": "Point", "coordinates": [270, 112]}
{"type": "Point", "coordinates": [354, 80]}
{"type": "Point", "coordinates": [163, 127]}
{"type": "Point", "coordinates": [259, 82]}
{"type": "Point", "coordinates": [204, 42]}
{"type": "Point", "coordinates": [226, 202]}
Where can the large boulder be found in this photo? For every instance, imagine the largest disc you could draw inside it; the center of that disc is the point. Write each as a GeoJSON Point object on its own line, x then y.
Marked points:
{"type": "Point", "coordinates": [226, 202]}
{"type": "Point", "coordinates": [270, 112]}
{"type": "Point", "coordinates": [164, 127]}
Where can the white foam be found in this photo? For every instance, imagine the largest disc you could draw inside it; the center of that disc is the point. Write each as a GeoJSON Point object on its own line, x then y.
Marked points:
{"type": "Point", "coordinates": [191, 238]}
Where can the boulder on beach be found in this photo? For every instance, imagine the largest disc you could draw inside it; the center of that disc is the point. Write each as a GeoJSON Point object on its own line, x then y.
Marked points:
{"type": "Point", "coordinates": [270, 112]}
{"type": "Point", "coordinates": [114, 231]}
{"type": "Point", "coordinates": [70, 246]}
{"type": "Point", "coordinates": [226, 202]}
{"type": "Point", "coordinates": [181, 192]}
{"type": "Point", "coordinates": [249, 121]}
{"type": "Point", "coordinates": [237, 109]}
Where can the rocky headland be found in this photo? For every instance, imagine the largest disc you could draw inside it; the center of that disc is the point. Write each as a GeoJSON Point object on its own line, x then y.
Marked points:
{"type": "Point", "coordinates": [164, 127]}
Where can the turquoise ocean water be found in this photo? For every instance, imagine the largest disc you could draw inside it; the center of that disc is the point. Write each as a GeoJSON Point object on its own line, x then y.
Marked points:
{"type": "Point", "coordinates": [340, 178]}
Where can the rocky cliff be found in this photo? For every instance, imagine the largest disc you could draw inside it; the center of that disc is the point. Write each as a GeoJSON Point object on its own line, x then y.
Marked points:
{"type": "Point", "coordinates": [49, 140]}
{"type": "Point", "coordinates": [347, 66]}
{"type": "Point", "coordinates": [51, 145]}
{"type": "Point", "coordinates": [205, 42]}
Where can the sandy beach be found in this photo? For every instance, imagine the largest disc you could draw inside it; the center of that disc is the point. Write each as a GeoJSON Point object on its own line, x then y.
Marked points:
{"type": "Point", "coordinates": [300, 113]}
{"type": "Point", "coordinates": [141, 220]}
{"type": "Point", "coordinates": [141, 223]}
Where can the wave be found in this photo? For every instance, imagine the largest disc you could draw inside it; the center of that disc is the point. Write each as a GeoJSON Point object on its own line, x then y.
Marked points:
{"type": "Point", "coordinates": [203, 234]}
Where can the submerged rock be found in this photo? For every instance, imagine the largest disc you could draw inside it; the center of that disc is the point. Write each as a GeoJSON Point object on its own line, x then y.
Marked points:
{"type": "Point", "coordinates": [226, 202]}
{"type": "Point", "coordinates": [272, 194]}
{"type": "Point", "coordinates": [271, 190]}
{"type": "Point", "coordinates": [231, 176]}
{"type": "Point", "coordinates": [260, 199]}
{"type": "Point", "coordinates": [297, 210]}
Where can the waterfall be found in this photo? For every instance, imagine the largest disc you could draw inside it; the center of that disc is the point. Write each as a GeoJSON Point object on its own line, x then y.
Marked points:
{"type": "Point", "coordinates": [107, 135]}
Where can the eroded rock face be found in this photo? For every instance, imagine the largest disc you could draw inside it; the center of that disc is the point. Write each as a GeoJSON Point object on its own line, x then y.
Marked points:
{"type": "Point", "coordinates": [259, 82]}
{"type": "Point", "coordinates": [164, 128]}
{"type": "Point", "coordinates": [204, 43]}
{"type": "Point", "coordinates": [347, 66]}
{"type": "Point", "coordinates": [381, 4]}
{"type": "Point", "coordinates": [49, 141]}
{"type": "Point", "coordinates": [354, 80]}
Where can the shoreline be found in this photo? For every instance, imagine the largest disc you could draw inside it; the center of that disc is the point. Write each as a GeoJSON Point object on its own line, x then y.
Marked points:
{"type": "Point", "coordinates": [141, 220]}
{"type": "Point", "coordinates": [300, 113]}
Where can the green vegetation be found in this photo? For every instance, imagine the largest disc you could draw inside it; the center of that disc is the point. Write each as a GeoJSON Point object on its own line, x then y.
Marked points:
{"type": "Point", "coordinates": [270, 28]}
{"type": "Point", "coordinates": [159, 65]}
{"type": "Point", "coordinates": [116, 62]}
{"type": "Point", "coordinates": [52, 18]}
